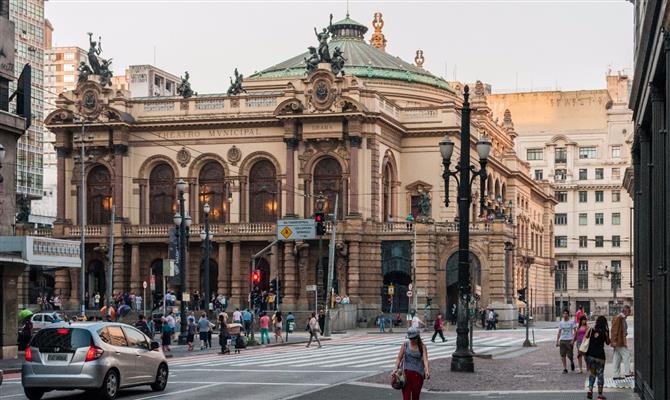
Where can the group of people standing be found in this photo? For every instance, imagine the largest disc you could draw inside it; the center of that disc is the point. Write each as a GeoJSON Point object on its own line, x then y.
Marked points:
{"type": "Point", "coordinates": [49, 302]}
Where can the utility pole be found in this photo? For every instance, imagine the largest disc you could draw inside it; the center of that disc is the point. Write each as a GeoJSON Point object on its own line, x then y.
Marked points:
{"type": "Point", "coordinates": [110, 266]}
{"type": "Point", "coordinates": [331, 267]}
{"type": "Point", "coordinates": [82, 220]}
{"type": "Point", "coordinates": [527, 260]}
{"type": "Point", "coordinates": [415, 299]}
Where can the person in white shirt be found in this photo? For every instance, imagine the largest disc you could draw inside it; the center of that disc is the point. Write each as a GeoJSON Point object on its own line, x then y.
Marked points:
{"type": "Point", "coordinates": [237, 316]}
{"type": "Point", "coordinates": [138, 302]}
{"type": "Point", "coordinates": [416, 322]}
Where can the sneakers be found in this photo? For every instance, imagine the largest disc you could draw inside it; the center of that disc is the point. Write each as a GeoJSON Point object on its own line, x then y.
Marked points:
{"type": "Point", "coordinates": [589, 394]}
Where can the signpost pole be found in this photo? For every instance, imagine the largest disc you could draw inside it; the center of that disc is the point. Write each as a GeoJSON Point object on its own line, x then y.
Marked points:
{"type": "Point", "coordinates": [331, 267]}
{"type": "Point", "coordinates": [144, 294]}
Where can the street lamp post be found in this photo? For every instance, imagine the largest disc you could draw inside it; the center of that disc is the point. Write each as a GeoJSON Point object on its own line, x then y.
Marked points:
{"type": "Point", "coordinates": [206, 237]}
{"type": "Point", "coordinates": [182, 224]}
{"type": "Point", "coordinates": [527, 260]}
{"type": "Point", "coordinates": [461, 360]}
{"type": "Point", "coordinates": [320, 202]}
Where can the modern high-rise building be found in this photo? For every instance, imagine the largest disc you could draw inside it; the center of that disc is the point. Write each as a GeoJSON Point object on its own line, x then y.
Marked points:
{"type": "Point", "coordinates": [147, 81]}
{"type": "Point", "coordinates": [29, 21]}
{"type": "Point", "coordinates": [580, 141]}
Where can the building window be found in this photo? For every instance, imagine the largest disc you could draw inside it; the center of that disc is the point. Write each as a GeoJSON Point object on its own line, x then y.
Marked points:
{"type": "Point", "coordinates": [263, 196]}
{"type": "Point", "coordinates": [587, 152]}
{"type": "Point", "coordinates": [561, 155]}
{"type": "Point", "coordinates": [616, 173]}
{"type": "Point", "coordinates": [162, 194]}
{"type": "Point", "coordinates": [600, 173]}
{"type": "Point", "coordinates": [616, 218]}
{"type": "Point", "coordinates": [583, 277]}
{"type": "Point", "coordinates": [68, 67]}
{"type": "Point", "coordinates": [538, 174]}
{"type": "Point", "coordinates": [211, 180]}
{"type": "Point", "coordinates": [616, 151]}
{"type": "Point", "coordinates": [68, 56]}
{"type": "Point", "coordinates": [582, 174]}
{"type": "Point", "coordinates": [328, 179]}
{"type": "Point", "coordinates": [534, 154]}
{"type": "Point", "coordinates": [560, 241]}
{"type": "Point", "coordinates": [388, 196]}
{"type": "Point", "coordinates": [600, 196]}
{"type": "Point", "coordinates": [615, 275]}
{"type": "Point", "coordinates": [559, 174]}
{"type": "Point", "coordinates": [561, 276]}
{"type": "Point", "coordinates": [561, 219]}
{"type": "Point", "coordinates": [583, 242]}
{"type": "Point", "coordinates": [616, 196]}
{"type": "Point", "coordinates": [583, 218]}
{"type": "Point", "coordinates": [99, 195]}
{"type": "Point", "coordinates": [68, 78]}
{"type": "Point", "coordinates": [600, 219]}
{"type": "Point", "coordinates": [599, 241]}
{"type": "Point", "coordinates": [616, 241]}
{"type": "Point", "coordinates": [583, 197]}
{"type": "Point", "coordinates": [561, 196]}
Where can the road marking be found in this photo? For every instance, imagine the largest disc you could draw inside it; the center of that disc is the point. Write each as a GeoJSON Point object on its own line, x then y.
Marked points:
{"type": "Point", "coordinates": [181, 391]}
{"type": "Point", "coordinates": [249, 384]}
{"type": "Point", "coordinates": [319, 371]}
{"type": "Point", "coordinates": [12, 395]}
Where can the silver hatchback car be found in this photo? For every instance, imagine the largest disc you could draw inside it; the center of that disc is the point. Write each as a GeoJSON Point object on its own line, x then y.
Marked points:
{"type": "Point", "coordinates": [97, 356]}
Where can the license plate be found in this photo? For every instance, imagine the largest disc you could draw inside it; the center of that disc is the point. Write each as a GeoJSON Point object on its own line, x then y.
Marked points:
{"type": "Point", "coordinates": [57, 357]}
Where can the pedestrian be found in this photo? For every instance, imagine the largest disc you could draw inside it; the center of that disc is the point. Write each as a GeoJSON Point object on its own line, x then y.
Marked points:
{"type": "Point", "coordinates": [491, 320]}
{"type": "Point", "coordinates": [595, 356]}
{"type": "Point", "coordinates": [416, 321]}
{"type": "Point", "coordinates": [142, 325]}
{"type": "Point", "coordinates": [482, 316]}
{"type": "Point", "coordinates": [26, 333]}
{"type": "Point", "coordinates": [564, 337]}
{"type": "Point", "coordinates": [224, 336]}
{"type": "Point", "coordinates": [240, 342]}
{"type": "Point", "coordinates": [96, 300]}
{"type": "Point", "coordinates": [397, 320]}
{"type": "Point", "coordinates": [138, 303]}
{"type": "Point", "coordinates": [171, 322]}
{"type": "Point", "coordinates": [237, 316]}
{"type": "Point", "coordinates": [582, 328]}
{"type": "Point", "coordinates": [380, 321]}
{"type": "Point", "coordinates": [264, 323]}
{"type": "Point", "coordinates": [57, 302]}
{"type": "Point", "coordinates": [277, 323]}
{"type": "Point", "coordinates": [413, 359]}
{"type": "Point", "coordinates": [313, 328]}
{"type": "Point", "coordinates": [438, 327]}
{"type": "Point", "coordinates": [203, 328]}
{"type": "Point", "coordinates": [322, 321]}
{"type": "Point", "coordinates": [248, 318]}
{"type": "Point", "coordinates": [578, 315]}
{"type": "Point", "coordinates": [190, 329]}
{"type": "Point", "coordinates": [166, 334]}
{"type": "Point", "coordinates": [620, 345]}
{"type": "Point", "coordinates": [454, 314]}
{"type": "Point", "coordinates": [196, 301]}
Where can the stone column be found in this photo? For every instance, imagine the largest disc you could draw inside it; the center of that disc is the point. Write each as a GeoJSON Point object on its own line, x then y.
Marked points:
{"type": "Point", "coordinates": [243, 200]}
{"type": "Point", "coordinates": [291, 147]}
{"type": "Point", "coordinates": [509, 276]}
{"type": "Point", "coordinates": [353, 167]}
{"type": "Point", "coordinates": [61, 195]}
{"type": "Point", "coordinates": [290, 275]}
{"type": "Point", "coordinates": [236, 284]}
{"type": "Point", "coordinates": [353, 289]}
{"type": "Point", "coordinates": [120, 150]}
{"type": "Point", "coordinates": [223, 284]}
{"type": "Point", "coordinates": [135, 269]}
{"type": "Point", "coordinates": [9, 275]}
{"type": "Point", "coordinates": [143, 201]}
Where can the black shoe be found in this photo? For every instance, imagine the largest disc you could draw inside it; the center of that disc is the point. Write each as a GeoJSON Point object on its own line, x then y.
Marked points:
{"type": "Point", "coordinates": [432, 340]}
{"type": "Point", "coordinates": [565, 371]}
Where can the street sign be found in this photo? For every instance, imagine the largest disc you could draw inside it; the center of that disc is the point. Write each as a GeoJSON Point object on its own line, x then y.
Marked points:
{"type": "Point", "coordinates": [296, 229]}
{"type": "Point", "coordinates": [391, 289]}
{"type": "Point", "coordinates": [186, 297]}
{"type": "Point", "coordinates": [168, 267]}
{"type": "Point", "coordinates": [410, 287]}
{"type": "Point", "coordinates": [409, 293]}
{"type": "Point", "coordinates": [311, 288]}
{"type": "Point", "coordinates": [144, 284]}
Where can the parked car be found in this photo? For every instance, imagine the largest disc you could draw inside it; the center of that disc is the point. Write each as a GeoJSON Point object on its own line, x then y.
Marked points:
{"type": "Point", "coordinates": [100, 357]}
{"type": "Point", "coordinates": [43, 320]}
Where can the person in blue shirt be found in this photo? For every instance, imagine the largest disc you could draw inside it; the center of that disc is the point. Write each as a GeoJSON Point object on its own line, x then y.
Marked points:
{"type": "Point", "coordinates": [248, 318]}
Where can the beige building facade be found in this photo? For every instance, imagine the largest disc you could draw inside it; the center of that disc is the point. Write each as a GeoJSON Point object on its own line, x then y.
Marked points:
{"type": "Point", "coordinates": [580, 141]}
{"type": "Point", "coordinates": [368, 137]}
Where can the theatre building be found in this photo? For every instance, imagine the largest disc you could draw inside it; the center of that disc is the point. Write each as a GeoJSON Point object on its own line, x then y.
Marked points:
{"type": "Point", "coordinates": [367, 135]}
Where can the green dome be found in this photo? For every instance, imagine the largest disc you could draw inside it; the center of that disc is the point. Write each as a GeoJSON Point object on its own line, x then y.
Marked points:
{"type": "Point", "coordinates": [363, 60]}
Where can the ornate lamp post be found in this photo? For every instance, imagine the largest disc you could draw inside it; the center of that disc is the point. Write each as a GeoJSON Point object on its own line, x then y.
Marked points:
{"type": "Point", "coordinates": [320, 203]}
{"type": "Point", "coordinates": [206, 237]}
{"type": "Point", "coordinates": [461, 360]}
{"type": "Point", "coordinates": [182, 224]}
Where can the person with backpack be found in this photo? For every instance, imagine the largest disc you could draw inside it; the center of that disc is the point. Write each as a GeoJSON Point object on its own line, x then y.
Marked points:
{"type": "Point", "coordinates": [438, 327]}
{"type": "Point", "coordinates": [142, 325]}
{"type": "Point", "coordinates": [313, 328]}
{"type": "Point", "coordinates": [412, 360]}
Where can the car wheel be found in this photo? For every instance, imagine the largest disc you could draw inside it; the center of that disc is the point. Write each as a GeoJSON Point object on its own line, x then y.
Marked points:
{"type": "Point", "coordinates": [33, 394]}
{"type": "Point", "coordinates": [161, 379]}
{"type": "Point", "coordinates": [110, 385]}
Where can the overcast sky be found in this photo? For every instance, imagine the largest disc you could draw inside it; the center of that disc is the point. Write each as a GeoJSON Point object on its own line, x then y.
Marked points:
{"type": "Point", "coordinates": [513, 44]}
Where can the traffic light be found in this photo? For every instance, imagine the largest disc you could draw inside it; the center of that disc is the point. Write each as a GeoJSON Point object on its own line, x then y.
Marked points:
{"type": "Point", "coordinates": [522, 294]}
{"type": "Point", "coordinates": [273, 285]}
{"type": "Point", "coordinates": [256, 277]}
{"type": "Point", "coordinates": [319, 218]}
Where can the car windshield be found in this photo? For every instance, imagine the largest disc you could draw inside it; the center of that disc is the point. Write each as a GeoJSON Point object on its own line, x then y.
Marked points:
{"type": "Point", "coordinates": [65, 339]}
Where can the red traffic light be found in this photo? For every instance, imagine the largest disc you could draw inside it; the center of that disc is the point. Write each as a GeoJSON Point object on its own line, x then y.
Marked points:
{"type": "Point", "coordinates": [256, 277]}
{"type": "Point", "coordinates": [318, 218]}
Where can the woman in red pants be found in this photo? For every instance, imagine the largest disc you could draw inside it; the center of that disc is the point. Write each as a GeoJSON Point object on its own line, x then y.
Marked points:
{"type": "Point", "coordinates": [414, 356]}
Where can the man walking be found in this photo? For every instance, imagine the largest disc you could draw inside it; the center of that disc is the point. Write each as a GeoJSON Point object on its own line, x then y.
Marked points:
{"type": "Point", "coordinates": [248, 319]}
{"type": "Point", "coordinates": [566, 332]}
{"type": "Point", "coordinates": [237, 316]}
{"type": "Point", "coordinates": [313, 330]}
{"type": "Point", "coordinates": [380, 321]}
{"type": "Point", "coordinates": [438, 327]}
{"type": "Point", "coordinates": [618, 341]}
{"type": "Point", "coordinates": [264, 324]}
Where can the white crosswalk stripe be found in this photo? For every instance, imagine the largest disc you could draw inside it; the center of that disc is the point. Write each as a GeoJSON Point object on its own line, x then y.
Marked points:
{"type": "Point", "coordinates": [354, 352]}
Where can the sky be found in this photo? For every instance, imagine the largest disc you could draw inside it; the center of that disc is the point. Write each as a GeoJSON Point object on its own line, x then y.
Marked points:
{"type": "Point", "coordinates": [514, 45]}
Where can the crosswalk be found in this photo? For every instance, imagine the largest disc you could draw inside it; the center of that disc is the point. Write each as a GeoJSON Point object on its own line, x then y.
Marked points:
{"type": "Point", "coordinates": [369, 352]}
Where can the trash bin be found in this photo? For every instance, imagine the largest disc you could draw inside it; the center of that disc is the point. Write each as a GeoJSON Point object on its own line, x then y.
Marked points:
{"type": "Point", "coordinates": [290, 326]}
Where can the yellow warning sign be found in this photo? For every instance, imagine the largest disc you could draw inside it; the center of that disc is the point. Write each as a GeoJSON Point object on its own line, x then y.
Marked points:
{"type": "Point", "coordinates": [286, 232]}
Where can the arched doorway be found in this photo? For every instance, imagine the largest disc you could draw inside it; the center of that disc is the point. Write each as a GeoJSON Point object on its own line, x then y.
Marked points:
{"type": "Point", "coordinates": [328, 180]}
{"type": "Point", "coordinates": [452, 280]}
{"type": "Point", "coordinates": [96, 279]}
{"type": "Point", "coordinates": [262, 192]}
{"type": "Point", "coordinates": [98, 195]}
{"type": "Point", "coordinates": [213, 276]}
{"type": "Point", "coordinates": [157, 273]}
{"type": "Point", "coordinates": [396, 270]}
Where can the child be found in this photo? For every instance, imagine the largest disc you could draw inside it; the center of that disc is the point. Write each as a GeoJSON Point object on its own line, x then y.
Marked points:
{"type": "Point", "coordinates": [240, 342]}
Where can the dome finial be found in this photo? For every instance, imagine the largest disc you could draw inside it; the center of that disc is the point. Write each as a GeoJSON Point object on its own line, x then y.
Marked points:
{"type": "Point", "coordinates": [418, 60]}
{"type": "Point", "coordinates": [378, 40]}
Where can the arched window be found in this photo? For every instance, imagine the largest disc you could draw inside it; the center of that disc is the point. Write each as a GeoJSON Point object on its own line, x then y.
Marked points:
{"type": "Point", "coordinates": [212, 191]}
{"type": "Point", "coordinates": [263, 194]}
{"type": "Point", "coordinates": [328, 180]}
{"type": "Point", "coordinates": [161, 194]}
{"type": "Point", "coordinates": [99, 195]}
{"type": "Point", "coordinates": [387, 192]}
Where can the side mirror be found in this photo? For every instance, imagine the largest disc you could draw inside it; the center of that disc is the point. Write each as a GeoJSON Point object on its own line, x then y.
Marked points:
{"type": "Point", "coordinates": [154, 345]}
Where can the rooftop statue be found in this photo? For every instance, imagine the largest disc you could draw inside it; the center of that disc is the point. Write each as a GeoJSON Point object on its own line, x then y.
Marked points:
{"type": "Point", "coordinates": [184, 87]}
{"type": "Point", "coordinates": [106, 73]}
{"type": "Point", "coordinates": [84, 71]}
{"type": "Point", "coordinates": [236, 86]}
{"type": "Point", "coordinates": [323, 36]}
{"type": "Point", "coordinates": [313, 61]}
{"type": "Point", "coordinates": [99, 66]}
{"type": "Point", "coordinates": [94, 50]}
{"type": "Point", "coordinates": [338, 60]}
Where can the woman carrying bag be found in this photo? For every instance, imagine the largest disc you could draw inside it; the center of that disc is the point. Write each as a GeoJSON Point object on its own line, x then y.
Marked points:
{"type": "Point", "coordinates": [594, 348]}
{"type": "Point", "coordinates": [411, 366]}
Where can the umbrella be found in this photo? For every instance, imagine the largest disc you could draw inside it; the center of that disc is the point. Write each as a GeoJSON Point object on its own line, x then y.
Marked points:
{"type": "Point", "coordinates": [25, 314]}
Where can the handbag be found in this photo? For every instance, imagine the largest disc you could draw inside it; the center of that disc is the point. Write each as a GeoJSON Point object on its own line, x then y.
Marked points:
{"type": "Point", "coordinates": [584, 347]}
{"type": "Point", "coordinates": [398, 376]}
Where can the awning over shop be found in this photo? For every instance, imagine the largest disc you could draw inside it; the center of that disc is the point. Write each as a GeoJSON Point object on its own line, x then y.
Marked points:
{"type": "Point", "coordinates": [39, 251]}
